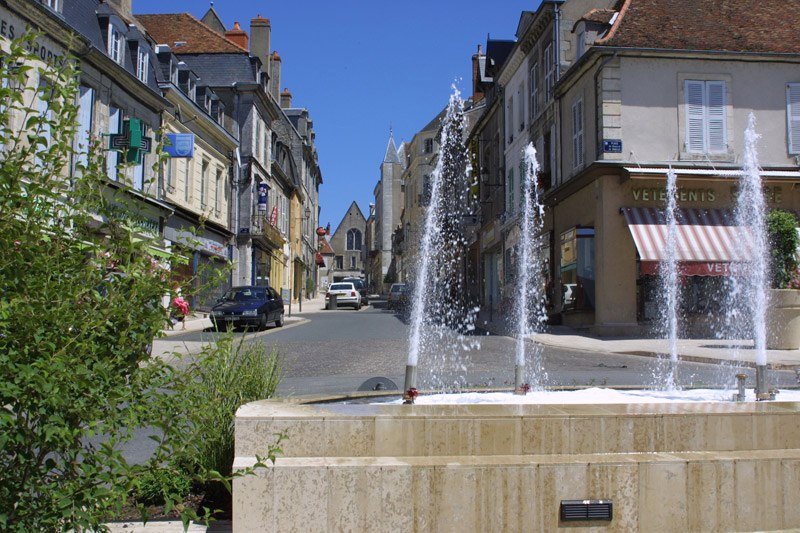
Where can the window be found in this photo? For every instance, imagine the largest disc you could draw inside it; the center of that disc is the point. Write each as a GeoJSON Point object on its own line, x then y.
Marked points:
{"type": "Point", "coordinates": [46, 114]}
{"type": "Point", "coordinates": [339, 262]}
{"type": "Point", "coordinates": [83, 135]}
{"type": "Point", "coordinates": [353, 239]}
{"type": "Point", "coordinates": [169, 175]}
{"type": "Point", "coordinates": [142, 64]}
{"type": "Point", "coordinates": [185, 165]}
{"type": "Point", "coordinates": [352, 262]}
{"type": "Point", "coordinates": [510, 205]}
{"type": "Point", "coordinates": [705, 117]}
{"type": "Point", "coordinates": [203, 183]}
{"type": "Point", "coordinates": [173, 73]}
{"type": "Point", "coordinates": [534, 81]}
{"type": "Point", "coordinates": [580, 45]}
{"type": "Point", "coordinates": [112, 156]}
{"type": "Point", "coordinates": [55, 5]}
{"type": "Point", "coordinates": [793, 116]}
{"type": "Point", "coordinates": [257, 139]}
{"type": "Point", "coordinates": [577, 133]}
{"type": "Point", "coordinates": [510, 119]}
{"type": "Point", "coordinates": [428, 146]}
{"type": "Point", "coordinates": [549, 72]}
{"type": "Point", "coordinates": [521, 106]}
{"type": "Point", "coordinates": [115, 48]}
{"type": "Point", "coordinates": [217, 191]}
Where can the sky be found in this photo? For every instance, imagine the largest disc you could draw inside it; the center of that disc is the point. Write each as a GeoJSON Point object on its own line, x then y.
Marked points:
{"type": "Point", "coordinates": [363, 66]}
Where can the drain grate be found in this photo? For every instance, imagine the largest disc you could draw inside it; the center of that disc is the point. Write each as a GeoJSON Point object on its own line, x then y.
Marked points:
{"type": "Point", "coordinates": [574, 510]}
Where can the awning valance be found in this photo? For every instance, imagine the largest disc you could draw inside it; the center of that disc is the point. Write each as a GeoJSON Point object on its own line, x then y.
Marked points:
{"type": "Point", "coordinates": [705, 238]}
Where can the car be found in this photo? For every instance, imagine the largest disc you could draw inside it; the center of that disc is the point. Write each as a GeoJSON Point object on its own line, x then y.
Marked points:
{"type": "Point", "coordinates": [346, 294]}
{"type": "Point", "coordinates": [361, 287]}
{"type": "Point", "coordinates": [398, 296]}
{"type": "Point", "coordinates": [248, 305]}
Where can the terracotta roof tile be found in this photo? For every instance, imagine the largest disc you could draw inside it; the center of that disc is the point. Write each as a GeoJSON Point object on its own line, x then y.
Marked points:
{"type": "Point", "coordinates": [199, 38]}
{"type": "Point", "coordinates": [729, 25]}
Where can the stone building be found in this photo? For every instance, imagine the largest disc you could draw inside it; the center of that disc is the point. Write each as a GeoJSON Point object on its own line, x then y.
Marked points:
{"type": "Point", "coordinates": [388, 194]}
{"type": "Point", "coordinates": [348, 245]}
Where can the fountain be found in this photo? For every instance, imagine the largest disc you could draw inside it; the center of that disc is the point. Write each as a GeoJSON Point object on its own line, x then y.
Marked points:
{"type": "Point", "coordinates": [530, 290]}
{"type": "Point", "coordinates": [439, 316]}
{"type": "Point", "coordinates": [670, 283]}
{"type": "Point", "coordinates": [664, 460]}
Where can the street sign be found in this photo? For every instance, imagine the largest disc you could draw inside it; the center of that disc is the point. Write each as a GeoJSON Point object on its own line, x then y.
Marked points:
{"type": "Point", "coordinates": [612, 146]}
{"type": "Point", "coordinates": [180, 145]}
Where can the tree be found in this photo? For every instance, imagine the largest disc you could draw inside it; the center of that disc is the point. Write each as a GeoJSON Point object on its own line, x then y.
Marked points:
{"type": "Point", "coordinates": [783, 241]}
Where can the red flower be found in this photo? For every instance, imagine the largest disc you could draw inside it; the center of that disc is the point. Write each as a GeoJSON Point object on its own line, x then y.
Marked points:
{"type": "Point", "coordinates": [180, 305]}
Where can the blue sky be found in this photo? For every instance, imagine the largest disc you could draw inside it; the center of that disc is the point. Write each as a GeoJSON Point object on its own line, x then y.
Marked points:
{"type": "Point", "coordinates": [360, 65]}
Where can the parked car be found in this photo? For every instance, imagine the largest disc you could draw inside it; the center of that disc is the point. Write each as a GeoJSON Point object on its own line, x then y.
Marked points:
{"type": "Point", "coordinates": [254, 306]}
{"type": "Point", "coordinates": [398, 296]}
{"type": "Point", "coordinates": [346, 294]}
{"type": "Point", "coordinates": [361, 287]}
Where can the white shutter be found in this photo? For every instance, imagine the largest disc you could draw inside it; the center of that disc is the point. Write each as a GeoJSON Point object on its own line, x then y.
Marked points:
{"type": "Point", "coordinates": [793, 116]}
{"type": "Point", "coordinates": [715, 113]}
{"type": "Point", "coordinates": [577, 134]}
{"type": "Point", "coordinates": [552, 155]}
{"type": "Point", "coordinates": [112, 156]}
{"type": "Point", "coordinates": [695, 113]}
{"type": "Point", "coordinates": [85, 105]}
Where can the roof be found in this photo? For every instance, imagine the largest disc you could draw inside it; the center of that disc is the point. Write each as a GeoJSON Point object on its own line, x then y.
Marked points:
{"type": "Point", "coordinates": [325, 247]}
{"type": "Point", "coordinates": [727, 25]}
{"type": "Point", "coordinates": [182, 27]}
{"type": "Point", "coordinates": [391, 151]}
{"type": "Point", "coordinates": [497, 51]}
{"type": "Point", "coordinates": [220, 70]}
{"type": "Point", "coordinates": [599, 16]}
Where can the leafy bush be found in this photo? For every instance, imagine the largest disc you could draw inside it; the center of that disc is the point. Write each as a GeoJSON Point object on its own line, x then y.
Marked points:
{"type": "Point", "coordinates": [80, 302]}
{"type": "Point", "coordinates": [157, 486]}
{"type": "Point", "coordinates": [783, 241]}
{"type": "Point", "coordinates": [228, 374]}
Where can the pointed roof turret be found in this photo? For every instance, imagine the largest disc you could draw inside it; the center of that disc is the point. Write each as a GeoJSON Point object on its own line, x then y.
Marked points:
{"type": "Point", "coordinates": [391, 151]}
{"type": "Point", "coordinates": [213, 20]}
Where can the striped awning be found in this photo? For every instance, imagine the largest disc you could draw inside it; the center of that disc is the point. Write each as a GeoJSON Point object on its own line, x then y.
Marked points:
{"type": "Point", "coordinates": [703, 235]}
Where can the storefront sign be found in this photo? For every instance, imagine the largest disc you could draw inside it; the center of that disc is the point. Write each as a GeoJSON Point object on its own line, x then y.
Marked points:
{"type": "Point", "coordinates": [137, 221]}
{"type": "Point", "coordinates": [772, 194]}
{"type": "Point", "coordinates": [180, 145]}
{"type": "Point", "coordinates": [612, 146]}
{"type": "Point", "coordinates": [659, 194]}
{"type": "Point", "coordinates": [686, 268]}
{"type": "Point", "coordinates": [262, 197]}
{"type": "Point", "coordinates": [12, 27]}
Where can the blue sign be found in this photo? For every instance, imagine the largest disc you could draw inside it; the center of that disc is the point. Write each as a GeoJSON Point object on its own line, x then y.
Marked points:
{"type": "Point", "coordinates": [262, 197]}
{"type": "Point", "coordinates": [179, 144]}
{"type": "Point", "coordinates": [612, 146]}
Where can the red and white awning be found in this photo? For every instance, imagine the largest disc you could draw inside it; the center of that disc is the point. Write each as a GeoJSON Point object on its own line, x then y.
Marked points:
{"type": "Point", "coordinates": [708, 240]}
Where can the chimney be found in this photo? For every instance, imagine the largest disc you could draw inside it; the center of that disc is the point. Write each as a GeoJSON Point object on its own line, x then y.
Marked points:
{"type": "Point", "coordinates": [260, 31]}
{"type": "Point", "coordinates": [286, 99]}
{"type": "Point", "coordinates": [275, 76]}
{"type": "Point", "coordinates": [123, 7]}
{"type": "Point", "coordinates": [477, 94]}
{"type": "Point", "coordinates": [237, 36]}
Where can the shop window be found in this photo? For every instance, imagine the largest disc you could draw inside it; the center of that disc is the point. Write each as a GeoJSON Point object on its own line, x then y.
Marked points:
{"type": "Point", "coordinates": [577, 269]}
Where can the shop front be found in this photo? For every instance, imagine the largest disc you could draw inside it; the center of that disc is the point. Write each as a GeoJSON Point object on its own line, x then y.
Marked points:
{"type": "Point", "coordinates": [203, 260]}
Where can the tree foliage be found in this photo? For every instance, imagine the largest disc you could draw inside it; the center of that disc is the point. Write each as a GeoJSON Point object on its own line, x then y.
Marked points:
{"type": "Point", "coordinates": [783, 241]}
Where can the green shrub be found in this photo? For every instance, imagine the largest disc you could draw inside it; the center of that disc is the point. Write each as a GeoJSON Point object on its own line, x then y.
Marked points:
{"type": "Point", "coordinates": [157, 486]}
{"type": "Point", "coordinates": [783, 241]}
{"type": "Point", "coordinates": [226, 375]}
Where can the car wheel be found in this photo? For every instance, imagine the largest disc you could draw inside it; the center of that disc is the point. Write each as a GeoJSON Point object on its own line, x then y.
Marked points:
{"type": "Point", "coordinates": [279, 322]}
{"type": "Point", "coordinates": [262, 322]}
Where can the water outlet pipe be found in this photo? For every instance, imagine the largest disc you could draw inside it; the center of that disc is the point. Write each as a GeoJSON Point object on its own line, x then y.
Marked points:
{"type": "Point", "coordinates": [520, 387]}
{"type": "Point", "coordinates": [762, 390]}
{"type": "Point", "coordinates": [410, 387]}
{"type": "Point", "coordinates": [740, 379]}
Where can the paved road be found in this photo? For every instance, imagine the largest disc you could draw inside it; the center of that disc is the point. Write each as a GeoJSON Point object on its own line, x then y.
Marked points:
{"type": "Point", "coordinates": [337, 351]}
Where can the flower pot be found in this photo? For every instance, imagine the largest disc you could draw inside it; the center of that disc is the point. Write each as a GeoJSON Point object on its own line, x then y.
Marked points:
{"type": "Point", "coordinates": [783, 319]}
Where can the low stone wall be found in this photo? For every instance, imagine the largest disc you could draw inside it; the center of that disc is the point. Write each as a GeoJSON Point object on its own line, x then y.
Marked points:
{"type": "Point", "coordinates": [668, 467]}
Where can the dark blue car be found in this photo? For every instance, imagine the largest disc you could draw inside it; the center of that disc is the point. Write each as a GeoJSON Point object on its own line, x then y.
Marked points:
{"type": "Point", "coordinates": [253, 306]}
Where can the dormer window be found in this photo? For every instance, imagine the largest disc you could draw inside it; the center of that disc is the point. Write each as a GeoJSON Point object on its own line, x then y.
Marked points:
{"type": "Point", "coordinates": [142, 65]}
{"type": "Point", "coordinates": [55, 5]}
{"type": "Point", "coordinates": [173, 73]}
{"type": "Point", "coordinates": [115, 49]}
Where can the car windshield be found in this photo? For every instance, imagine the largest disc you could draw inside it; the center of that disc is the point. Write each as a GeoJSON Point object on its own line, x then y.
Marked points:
{"type": "Point", "coordinates": [398, 288]}
{"type": "Point", "coordinates": [244, 295]}
{"type": "Point", "coordinates": [357, 283]}
{"type": "Point", "coordinates": [342, 287]}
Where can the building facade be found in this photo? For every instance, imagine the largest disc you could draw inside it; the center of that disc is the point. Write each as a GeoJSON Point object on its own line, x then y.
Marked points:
{"type": "Point", "coordinates": [348, 245]}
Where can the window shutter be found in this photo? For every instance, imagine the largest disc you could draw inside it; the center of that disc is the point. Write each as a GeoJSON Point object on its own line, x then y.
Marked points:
{"type": "Point", "coordinates": [577, 134]}
{"type": "Point", "coordinates": [112, 157]}
{"type": "Point", "coordinates": [695, 96]}
{"type": "Point", "coordinates": [793, 116]}
{"type": "Point", "coordinates": [715, 110]}
{"type": "Point", "coordinates": [85, 105]}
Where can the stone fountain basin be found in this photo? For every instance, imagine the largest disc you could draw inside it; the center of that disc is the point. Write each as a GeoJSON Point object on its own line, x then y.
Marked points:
{"type": "Point", "coordinates": [685, 466]}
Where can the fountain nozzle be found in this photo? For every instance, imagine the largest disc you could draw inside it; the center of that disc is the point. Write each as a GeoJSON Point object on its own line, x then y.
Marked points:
{"type": "Point", "coordinates": [762, 390]}
{"type": "Point", "coordinates": [410, 386]}
{"type": "Point", "coordinates": [740, 379]}
{"type": "Point", "coordinates": [520, 387]}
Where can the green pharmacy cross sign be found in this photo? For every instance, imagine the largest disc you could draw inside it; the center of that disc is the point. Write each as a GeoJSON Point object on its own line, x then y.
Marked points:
{"type": "Point", "coordinates": [131, 141]}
